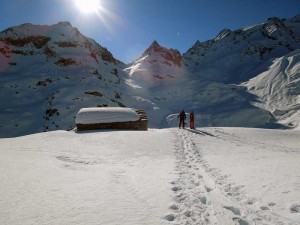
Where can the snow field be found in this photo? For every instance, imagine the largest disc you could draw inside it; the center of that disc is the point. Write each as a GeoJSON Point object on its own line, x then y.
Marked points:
{"type": "Point", "coordinates": [237, 176]}
{"type": "Point", "coordinates": [207, 176]}
{"type": "Point", "coordinates": [86, 178]}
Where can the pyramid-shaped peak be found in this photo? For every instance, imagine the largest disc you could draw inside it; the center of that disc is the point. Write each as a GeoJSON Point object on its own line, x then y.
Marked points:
{"type": "Point", "coordinates": [198, 43]}
{"type": "Point", "coordinates": [172, 56]}
{"type": "Point", "coordinates": [154, 47]}
{"type": "Point", "coordinates": [155, 44]}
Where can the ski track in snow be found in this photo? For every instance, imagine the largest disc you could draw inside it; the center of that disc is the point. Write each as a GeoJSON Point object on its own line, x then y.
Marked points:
{"type": "Point", "coordinates": [204, 197]}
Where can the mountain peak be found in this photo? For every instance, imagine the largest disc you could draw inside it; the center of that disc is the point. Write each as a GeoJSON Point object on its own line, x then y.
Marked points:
{"type": "Point", "coordinates": [155, 44]}
{"type": "Point", "coordinates": [154, 47]}
{"type": "Point", "coordinates": [172, 56]}
{"type": "Point", "coordinates": [296, 18]}
{"type": "Point", "coordinates": [224, 33]}
{"type": "Point", "coordinates": [64, 23]}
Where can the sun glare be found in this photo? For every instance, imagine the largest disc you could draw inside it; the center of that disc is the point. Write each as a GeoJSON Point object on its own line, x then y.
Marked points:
{"type": "Point", "coordinates": [91, 9]}
{"type": "Point", "coordinates": [88, 6]}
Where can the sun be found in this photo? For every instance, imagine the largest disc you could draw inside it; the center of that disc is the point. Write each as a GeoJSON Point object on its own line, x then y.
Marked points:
{"type": "Point", "coordinates": [88, 6]}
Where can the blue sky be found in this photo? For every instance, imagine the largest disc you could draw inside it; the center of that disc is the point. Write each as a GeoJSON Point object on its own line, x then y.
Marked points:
{"type": "Point", "coordinates": [127, 27]}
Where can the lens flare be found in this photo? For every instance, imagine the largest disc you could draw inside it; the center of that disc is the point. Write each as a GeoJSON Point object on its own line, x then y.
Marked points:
{"type": "Point", "coordinates": [88, 6]}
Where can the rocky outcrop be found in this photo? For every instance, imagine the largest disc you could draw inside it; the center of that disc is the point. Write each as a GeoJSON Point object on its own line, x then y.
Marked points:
{"type": "Point", "coordinates": [171, 56]}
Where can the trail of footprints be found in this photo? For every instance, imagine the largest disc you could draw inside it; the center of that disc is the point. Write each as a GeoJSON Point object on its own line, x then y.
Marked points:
{"type": "Point", "coordinates": [192, 204]}
{"type": "Point", "coordinates": [191, 194]}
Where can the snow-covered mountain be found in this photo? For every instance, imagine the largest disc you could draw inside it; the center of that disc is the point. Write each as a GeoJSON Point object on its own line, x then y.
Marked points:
{"type": "Point", "coordinates": [207, 78]}
{"type": "Point", "coordinates": [248, 77]}
{"type": "Point", "coordinates": [239, 55]}
{"type": "Point", "coordinates": [164, 86]}
{"type": "Point", "coordinates": [48, 73]}
{"type": "Point", "coordinates": [158, 65]}
{"type": "Point", "coordinates": [210, 77]}
{"type": "Point", "coordinates": [265, 57]}
{"type": "Point", "coordinates": [278, 88]}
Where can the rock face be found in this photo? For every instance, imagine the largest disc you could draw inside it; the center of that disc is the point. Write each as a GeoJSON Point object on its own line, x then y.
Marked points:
{"type": "Point", "coordinates": [247, 77]}
{"type": "Point", "coordinates": [171, 57]}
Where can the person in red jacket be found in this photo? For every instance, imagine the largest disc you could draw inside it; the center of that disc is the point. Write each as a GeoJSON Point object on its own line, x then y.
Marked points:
{"type": "Point", "coordinates": [192, 120]}
{"type": "Point", "coordinates": [182, 118]}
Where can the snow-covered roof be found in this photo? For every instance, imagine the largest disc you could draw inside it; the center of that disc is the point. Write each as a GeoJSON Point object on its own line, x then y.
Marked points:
{"type": "Point", "coordinates": [106, 115]}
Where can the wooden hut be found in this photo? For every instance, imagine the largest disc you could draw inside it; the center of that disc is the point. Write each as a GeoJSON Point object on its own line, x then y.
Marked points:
{"type": "Point", "coordinates": [111, 118]}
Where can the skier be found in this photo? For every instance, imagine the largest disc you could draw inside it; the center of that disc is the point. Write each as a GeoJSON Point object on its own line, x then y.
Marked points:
{"type": "Point", "coordinates": [192, 120]}
{"type": "Point", "coordinates": [182, 118]}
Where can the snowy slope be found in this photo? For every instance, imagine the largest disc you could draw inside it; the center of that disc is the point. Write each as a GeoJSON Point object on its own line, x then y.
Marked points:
{"type": "Point", "coordinates": [279, 88]}
{"type": "Point", "coordinates": [157, 66]}
{"type": "Point", "coordinates": [206, 176]}
{"type": "Point", "coordinates": [48, 73]}
{"type": "Point", "coordinates": [164, 86]}
{"type": "Point", "coordinates": [207, 79]}
{"type": "Point", "coordinates": [235, 56]}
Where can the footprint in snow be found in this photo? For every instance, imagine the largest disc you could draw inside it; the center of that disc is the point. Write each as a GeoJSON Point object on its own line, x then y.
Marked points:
{"type": "Point", "coordinates": [203, 200]}
{"type": "Point", "coordinates": [264, 208]}
{"type": "Point", "coordinates": [188, 213]}
{"type": "Point", "coordinates": [295, 208]}
{"type": "Point", "coordinates": [240, 221]}
{"type": "Point", "coordinates": [208, 189]}
{"type": "Point", "coordinates": [176, 188]}
{"type": "Point", "coordinates": [170, 217]}
{"type": "Point", "coordinates": [174, 207]}
{"type": "Point", "coordinates": [236, 211]}
{"type": "Point", "coordinates": [251, 201]}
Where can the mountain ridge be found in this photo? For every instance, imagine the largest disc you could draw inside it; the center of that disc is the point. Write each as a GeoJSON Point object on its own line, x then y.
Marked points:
{"type": "Point", "coordinates": [49, 72]}
{"type": "Point", "coordinates": [249, 46]}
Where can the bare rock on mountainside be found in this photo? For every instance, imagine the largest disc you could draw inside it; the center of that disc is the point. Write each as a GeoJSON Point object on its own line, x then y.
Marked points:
{"type": "Point", "coordinates": [171, 56]}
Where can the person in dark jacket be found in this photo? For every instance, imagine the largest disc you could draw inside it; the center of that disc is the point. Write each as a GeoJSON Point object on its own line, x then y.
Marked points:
{"type": "Point", "coordinates": [182, 118]}
{"type": "Point", "coordinates": [192, 120]}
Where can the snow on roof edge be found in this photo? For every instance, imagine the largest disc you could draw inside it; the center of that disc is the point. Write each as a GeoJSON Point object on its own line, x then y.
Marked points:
{"type": "Point", "coordinates": [106, 115]}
